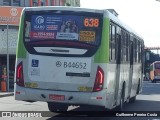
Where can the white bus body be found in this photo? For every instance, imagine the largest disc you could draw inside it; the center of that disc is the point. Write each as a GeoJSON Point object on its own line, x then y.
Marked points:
{"type": "Point", "coordinates": [64, 72]}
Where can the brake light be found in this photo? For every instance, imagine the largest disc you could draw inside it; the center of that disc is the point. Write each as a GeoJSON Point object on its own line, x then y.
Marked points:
{"type": "Point", "coordinates": [98, 85]}
{"type": "Point", "coordinates": [19, 75]}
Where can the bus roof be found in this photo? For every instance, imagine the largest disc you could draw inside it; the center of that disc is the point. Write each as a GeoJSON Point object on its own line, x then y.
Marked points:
{"type": "Point", "coordinates": [62, 8]}
{"type": "Point", "coordinates": [120, 23]}
{"type": "Point", "coordinates": [155, 62]}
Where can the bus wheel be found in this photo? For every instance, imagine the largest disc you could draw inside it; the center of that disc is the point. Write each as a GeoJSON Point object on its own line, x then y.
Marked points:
{"type": "Point", "coordinates": [56, 107]}
{"type": "Point", "coordinates": [120, 107]}
{"type": "Point", "coordinates": [132, 100]}
{"type": "Point", "coordinates": [153, 81]}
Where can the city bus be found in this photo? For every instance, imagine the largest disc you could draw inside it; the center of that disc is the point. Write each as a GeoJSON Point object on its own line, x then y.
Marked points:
{"type": "Point", "coordinates": [77, 56]}
{"type": "Point", "coordinates": [155, 71]}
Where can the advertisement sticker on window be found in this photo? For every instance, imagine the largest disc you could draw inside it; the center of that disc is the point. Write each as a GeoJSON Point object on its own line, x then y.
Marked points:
{"type": "Point", "coordinates": [65, 27]}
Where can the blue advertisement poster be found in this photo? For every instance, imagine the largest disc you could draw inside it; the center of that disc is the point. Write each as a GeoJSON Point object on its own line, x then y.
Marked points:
{"type": "Point", "coordinates": [64, 27]}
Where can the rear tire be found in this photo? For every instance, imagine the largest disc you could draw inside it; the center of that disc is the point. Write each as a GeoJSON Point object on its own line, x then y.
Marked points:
{"type": "Point", "coordinates": [56, 107]}
{"type": "Point", "coordinates": [132, 100]}
{"type": "Point", "coordinates": [120, 107]}
{"type": "Point", "coordinates": [154, 81]}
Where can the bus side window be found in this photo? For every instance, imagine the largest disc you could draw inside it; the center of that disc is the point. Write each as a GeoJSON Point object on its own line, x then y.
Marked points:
{"type": "Point", "coordinates": [134, 50]}
{"type": "Point", "coordinates": [112, 43]}
{"type": "Point", "coordinates": [139, 52]}
{"type": "Point", "coordinates": [131, 52]}
{"type": "Point", "coordinates": [127, 47]}
{"type": "Point", "coordinates": [118, 48]}
{"type": "Point", "coordinates": [123, 49]}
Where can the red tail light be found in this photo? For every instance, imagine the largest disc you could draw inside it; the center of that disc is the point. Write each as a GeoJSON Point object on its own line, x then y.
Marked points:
{"type": "Point", "coordinates": [19, 75]}
{"type": "Point", "coordinates": [98, 85]}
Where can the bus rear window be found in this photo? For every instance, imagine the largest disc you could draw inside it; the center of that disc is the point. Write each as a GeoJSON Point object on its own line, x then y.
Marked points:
{"type": "Point", "coordinates": [80, 27]}
{"type": "Point", "coordinates": [64, 31]}
{"type": "Point", "coordinates": [157, 65]}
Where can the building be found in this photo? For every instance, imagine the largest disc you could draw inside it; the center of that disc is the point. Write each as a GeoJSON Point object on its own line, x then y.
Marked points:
{"type": "Point", "coordinates": [73, 3]}
{"type": "Point", "coordinates": [9, 25]}
{"type": "Point", "coordinates": [30, 3]}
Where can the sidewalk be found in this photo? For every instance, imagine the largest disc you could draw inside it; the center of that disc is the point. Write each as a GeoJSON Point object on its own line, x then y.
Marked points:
{"type": "Point", "coordinates": [6, 94]}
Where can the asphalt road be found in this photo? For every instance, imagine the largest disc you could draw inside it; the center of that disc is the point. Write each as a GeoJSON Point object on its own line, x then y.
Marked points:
{"type": "Point", "coordinates": [148, 100]}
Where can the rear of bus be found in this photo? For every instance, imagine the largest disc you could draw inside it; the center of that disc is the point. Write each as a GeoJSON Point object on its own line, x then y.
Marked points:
{"type": "Point", "coordinates": [56, 56]}
{"type": "Point", "coordinates": [155, 71]}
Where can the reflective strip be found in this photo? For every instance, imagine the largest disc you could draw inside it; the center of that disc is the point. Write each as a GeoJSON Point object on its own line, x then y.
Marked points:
{"type": "Point", "coordinates": [97, 98]}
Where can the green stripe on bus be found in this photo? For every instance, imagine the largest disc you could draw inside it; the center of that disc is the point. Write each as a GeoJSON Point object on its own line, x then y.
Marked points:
{"type": "Point", "coordinates": [21, 51]}
{"type": "Point", "coordinates": [102, 55]}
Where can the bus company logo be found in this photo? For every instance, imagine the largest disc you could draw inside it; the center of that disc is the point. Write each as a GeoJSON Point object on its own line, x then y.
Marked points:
{"type": "Point", "coordinates": [39, 23]}
{"type": "Point", "coordinates": [58, 64]}
{"type": "Point", "coordinates": [39, 27]}
{"type": "Point", "coordinates": [39, 20]}
{"type": "Point", "coordinates": [14, 12]}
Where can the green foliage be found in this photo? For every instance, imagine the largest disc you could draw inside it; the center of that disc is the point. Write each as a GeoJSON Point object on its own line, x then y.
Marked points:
{"type": "Point", "coordinates": [68, 4]}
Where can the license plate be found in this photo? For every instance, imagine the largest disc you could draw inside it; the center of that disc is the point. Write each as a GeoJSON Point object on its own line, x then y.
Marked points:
{"type": "Point", "coordinates": [57, 97]}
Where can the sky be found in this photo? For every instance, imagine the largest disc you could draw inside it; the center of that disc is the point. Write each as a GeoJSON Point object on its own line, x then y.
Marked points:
{"type": "Point", "coordinates": [143, 16]}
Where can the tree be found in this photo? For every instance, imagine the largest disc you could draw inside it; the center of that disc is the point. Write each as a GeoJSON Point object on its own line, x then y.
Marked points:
{"type": "Point", "coordinates": [68, 4]}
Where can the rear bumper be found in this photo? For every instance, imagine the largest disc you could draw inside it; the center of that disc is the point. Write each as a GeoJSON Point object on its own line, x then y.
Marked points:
{"type": "Point", "coordinates": [157, 77]}
{"type": "Point", "coordinates": [78, 98]}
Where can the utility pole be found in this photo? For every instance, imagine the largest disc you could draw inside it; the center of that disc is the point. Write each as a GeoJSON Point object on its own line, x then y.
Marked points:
{"type": "Point", "coordinates": [7, 60]}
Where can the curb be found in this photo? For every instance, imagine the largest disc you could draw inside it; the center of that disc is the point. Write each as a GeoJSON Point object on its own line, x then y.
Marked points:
{"type": "Point", "coordinates": [6, 95]}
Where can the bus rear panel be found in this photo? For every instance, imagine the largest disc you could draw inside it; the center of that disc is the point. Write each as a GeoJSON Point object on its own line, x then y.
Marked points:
{"type": "Point", "coordinates": [59, 63]}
